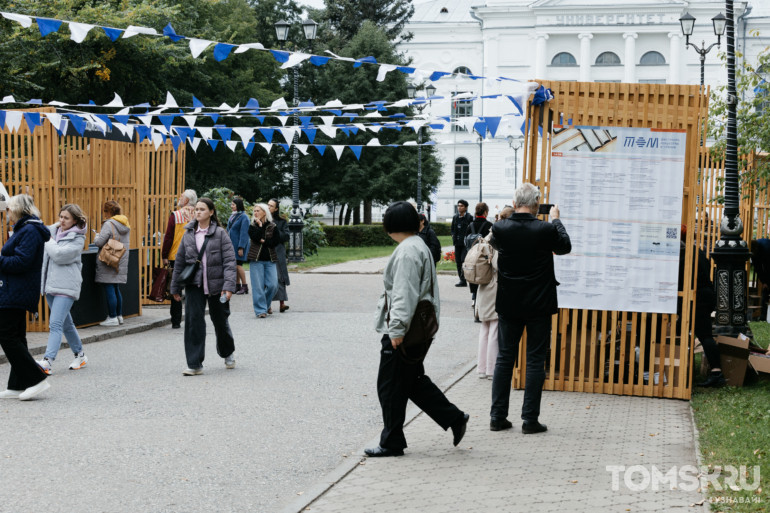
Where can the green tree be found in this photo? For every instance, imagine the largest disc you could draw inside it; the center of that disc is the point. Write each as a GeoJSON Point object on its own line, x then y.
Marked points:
{"type": "Point", "coordinates": [346, 16]}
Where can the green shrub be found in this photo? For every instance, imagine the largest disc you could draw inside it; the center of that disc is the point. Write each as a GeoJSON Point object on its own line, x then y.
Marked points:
{"type": "Point", "coordinates": [357, 236]}
{"type": "Point", "coordinates": [313, 236]}
{"type": "Point", "coordinates": [442, 228]}
{"type": "Point", "coordinates": [222, 197]}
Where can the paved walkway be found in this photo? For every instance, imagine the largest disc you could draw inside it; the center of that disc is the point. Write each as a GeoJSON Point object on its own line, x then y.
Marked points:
{"type": "Point", "coordinates": [564, 469]}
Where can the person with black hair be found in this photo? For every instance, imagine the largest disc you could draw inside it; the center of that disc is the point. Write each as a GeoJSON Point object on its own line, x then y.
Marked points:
{"type": "Point", "coordinates": [409, 278]}
{"type": "Point", "coordinates": [428, 236]}
{"type": "Point", "coordinates": [238, 230]}
{"type": "Point", "coordinates": [281, 266]}
{"type": "Point", "coordinates": [213, 284]}
{"type": "Point", "coordinates": [460, 222]}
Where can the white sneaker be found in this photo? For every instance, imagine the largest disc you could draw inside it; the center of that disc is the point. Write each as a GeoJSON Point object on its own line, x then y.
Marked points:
{"type": "Point", "coordinates": [111, 321]}
{"type": "Point", "coordinates": [192, 372]}
{"type": "Point", "coordinates": [120, 319]}
{"type": "Point", "coordinates": [230, 361]}
{"type": "Point", "coordinates": [35, 390]}
{"type": "Point", "coordinates": [45, 364]}
{"type": "Point", "coordinates": [79, 362]}
{"type": "Point", "coordinates": [10, 394]}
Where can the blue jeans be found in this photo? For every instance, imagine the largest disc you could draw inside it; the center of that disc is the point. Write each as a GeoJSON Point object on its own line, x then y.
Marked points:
{"type": "Point", "coordinates": [61, 322]}
{"type": "Point", "coordinates": [264, 284]}
{"type": "Point", "coordinates": [114, 299]}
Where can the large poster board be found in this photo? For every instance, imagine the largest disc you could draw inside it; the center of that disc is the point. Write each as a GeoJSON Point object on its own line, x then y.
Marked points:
{"type": "Point", "coordinates": [620, 192]}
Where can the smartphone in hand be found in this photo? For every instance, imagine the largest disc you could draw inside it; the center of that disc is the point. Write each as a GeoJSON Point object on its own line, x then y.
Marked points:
{"type": "Point", "coordinates": [545, 208]}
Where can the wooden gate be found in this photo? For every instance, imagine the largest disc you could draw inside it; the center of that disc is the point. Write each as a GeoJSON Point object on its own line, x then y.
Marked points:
{"type": "Point", "coordinates": [89, 171]}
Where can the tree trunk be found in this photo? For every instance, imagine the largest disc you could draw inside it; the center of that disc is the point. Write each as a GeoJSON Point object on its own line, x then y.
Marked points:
{"type": "Point", "coordinates": [357, 214]}
{"type": "Point", "coordinates": [367, 211]}
{"type": "Point", "coordinates": [342, 213]}
{"type": "Point", "coordinates": [347, 214]}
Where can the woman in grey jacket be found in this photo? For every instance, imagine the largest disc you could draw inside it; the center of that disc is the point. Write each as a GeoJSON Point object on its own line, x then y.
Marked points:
{"type": "Point", "coordinates": [60, 283]}
{"type": "Point", "coordinates": [213, 283]}
{"type": "Point", "coordinates": [409, 278]}
{"type": "Point", "coordinates": [115, 227]}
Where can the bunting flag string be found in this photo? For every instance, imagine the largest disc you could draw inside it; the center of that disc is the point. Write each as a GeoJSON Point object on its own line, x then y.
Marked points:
{"type": "Point", "coordinates": [221, 51]}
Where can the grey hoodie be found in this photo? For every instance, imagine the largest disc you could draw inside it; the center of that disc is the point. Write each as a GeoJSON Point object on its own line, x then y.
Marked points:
{"type": "Point", "coordinates": [105, 273]}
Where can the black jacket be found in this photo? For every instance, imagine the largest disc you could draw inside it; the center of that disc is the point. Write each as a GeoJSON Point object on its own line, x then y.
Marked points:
{"type": "Point", "coordinates": [480, 226]}
{"type": "Point", "coordinates": [705, 297]}
{"type": "Point", "coordinates": [526, 283]}
{"type": "Point", "coordinates": [459, 226]}
{"type": "Point", "coordinates": [429, 237]}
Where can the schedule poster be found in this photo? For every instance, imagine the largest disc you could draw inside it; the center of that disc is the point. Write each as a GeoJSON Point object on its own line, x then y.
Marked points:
{"type": "Point", "coordinates": [620, 192]}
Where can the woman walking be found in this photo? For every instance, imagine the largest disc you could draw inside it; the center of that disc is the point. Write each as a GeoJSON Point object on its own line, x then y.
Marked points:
{"type": "Point", "coordinates": [481, 226]}
{"type": "Point", "coordinates": [282, 232]}
{"type": "Point", "coordinates": [262, 258]}
{"type": "Point", "coordinates": [61, 281]}
{"type": "Point", "coordinates": [409, 277]}
{"type": "Point", "coordinates": [21, 260]}
{"type": "Point", "coordinates": [238, 230]}
{"type": "Point", "coordinates": [213, 283]}
{"type": "Point", "coordinates": [115, 227]}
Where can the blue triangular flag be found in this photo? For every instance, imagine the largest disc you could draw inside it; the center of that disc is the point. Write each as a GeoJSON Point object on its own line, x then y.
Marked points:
{"type": "Point", "coordinates": [213, 143]}
{"type": "Point", "coordinates": [481, 128]}
{"type": "Point", "coordinates": [106, 119]}
{"type": "Point", "coordinates": [317, 60]}
{"type": "Point", "coordinates": [224, 133]}
{"type": "Point", "coordinates": [437, 75]}
{"type": "Point", "coordinates": [267, 133]}
{"type": "Point", "coordinates": [356, 151]}
{"type": "Point", "coordinates": [284, 146]}
{"type": "Point", "coordinates": [35, 101]}
{"type": "Point", "coordinates": [513, 100]}
{"type": "Point", "coordinates": [369, 59]}
{"type": "Point", "coordinates": [249, 148]}
{"type": "Point", "coordinates": [321, 148]}
{"type": "Point", "coordinates": [175, 140]}
{"type": "Point", "coordinates": [142, 132]}
{"type": "Point", "coordinates": [214, 117]}
{"type": "Point", "coordinates": [167, 120]}
{"type": "Point", "coordinates": [310, 134]}
{"type": "Point", "coordinates": [280, 55]}
{"type": "Point", "coordinates": [354, 129]}
{"type": "Point", "coordinates": [405, 69]}
{"type": "Point", "coordinates": [33, 120]}
{"type": "Point", "coordinates": [47, 26]}
{"type": "Point", "coordinates": [112, 33]}
{"type": "Point", "coordinates": [197, 103]}
{"type": "Point", "coordinates": [2, 119]}
{"type": "Point", "coordinates": [78, 122]}
{"type": "Point", "coordinates": [185, 132]}
{"type": "Point", "coordinates": [307, 104]}
{"type": "Point", "coordinates": [492, 123]}
{"type": "Point", "coordinates": [336, 112]}
{"type": "Point", "coordinates": [222, 51]}
{"type": "Point", "coordinates": [120, 118]}
{"type": "Point", "coordinates": [305, 121]}
{"type": "Point", "coordinates": [261, 119]}
{"type": "Point", "coordinates": [345, 131]}
{"type": "Point", "coordinates": [252, 104]}
{"type": "Point", "coordinates": [168, 31]}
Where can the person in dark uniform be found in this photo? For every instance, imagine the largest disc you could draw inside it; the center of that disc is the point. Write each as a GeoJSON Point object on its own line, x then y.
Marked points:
{"type": "Point", "coordinates": [460, 222]}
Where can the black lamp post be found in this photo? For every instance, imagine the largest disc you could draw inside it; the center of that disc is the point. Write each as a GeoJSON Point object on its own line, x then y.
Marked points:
{"type": "Point", "coordinates": [411, 90]}
{"type": "Point", "coordinates": [515, 143]}
{"type": "Point", "coordinates": [688, 22]}
{"type": "Point", "coordinates": [480, 140]}
{"type": "Point", "coordinates": [296, 248]}
{"type": "Point", "coordinates": [731, 252]}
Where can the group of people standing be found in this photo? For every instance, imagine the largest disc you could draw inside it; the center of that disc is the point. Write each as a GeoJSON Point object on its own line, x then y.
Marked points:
{"type": "Point", "coordinates": [38, 259]}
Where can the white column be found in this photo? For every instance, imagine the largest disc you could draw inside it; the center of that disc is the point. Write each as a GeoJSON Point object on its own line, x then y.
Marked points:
{"type": "Point", "coordinates": [540, 55]}
{"type": "Point", "coordinates": [585, 56]}
{"type": "Point", "coordinates": [629, 69]}
{"type": "Point", "coordinates": [675, 61]}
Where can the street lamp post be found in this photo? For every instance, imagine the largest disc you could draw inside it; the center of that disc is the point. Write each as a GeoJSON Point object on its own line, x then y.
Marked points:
{"type": "Point", "coordinates": [516, 144]}
{"type": "Point", "coordinates": [480, 140]}
{"type": "Point", "coordinates": [296, 247]}
{"type": "Point", "coordinates": [687, 21]}
{"type": "Point", "coordinates": [411, 91]}
{"type": "Point", "coordinates": [731, 252]}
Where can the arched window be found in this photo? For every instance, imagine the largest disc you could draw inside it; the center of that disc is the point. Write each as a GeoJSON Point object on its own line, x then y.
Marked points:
{"type": "Point", "coordinates": [444, 10]}
{"type": "Point", "coordinates": [462, 173]}
{"type": "Point", "coordinates": [608, 59]}
{"type": "Point", "coordinates": [563, 59]}
{"type": "Point", "coordinates": [652, 59]}
{"type": "Point", "coordinates": [462, 69]}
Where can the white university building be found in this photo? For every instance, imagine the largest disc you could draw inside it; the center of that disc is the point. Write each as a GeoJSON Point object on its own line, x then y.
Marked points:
{"type": "Point", "coordinates": [569, 40]}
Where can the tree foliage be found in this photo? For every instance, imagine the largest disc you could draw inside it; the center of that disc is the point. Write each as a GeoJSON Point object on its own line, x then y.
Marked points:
{"type": "Point", "coordinates": [345, 17]}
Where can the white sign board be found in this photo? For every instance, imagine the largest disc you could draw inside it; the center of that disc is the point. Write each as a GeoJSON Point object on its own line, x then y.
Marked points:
{"type": "Point", "coordinates": [620, 192]}
{"type": "Point", "coordinates": [4, 197]}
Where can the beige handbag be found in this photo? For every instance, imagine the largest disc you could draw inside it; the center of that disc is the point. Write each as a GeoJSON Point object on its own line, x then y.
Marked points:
{"type": "Point", "coordinates": [112, 251]}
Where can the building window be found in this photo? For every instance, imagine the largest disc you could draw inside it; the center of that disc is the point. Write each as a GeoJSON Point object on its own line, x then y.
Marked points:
{"type": "Point", "coordinates": [462, 173]}
{"type": "Point", "coordinates": [652, 59]}
{"type": "Point", "coordinates": [608, 59]}
{"type": "Point", "coordinates": [563, 59]}
{"type": "Point", "coordinates": [444, 10]}
{"type": "Point", "coordinates": [462, 69]}
{"type": "Point", "coordinates": [461, 108]}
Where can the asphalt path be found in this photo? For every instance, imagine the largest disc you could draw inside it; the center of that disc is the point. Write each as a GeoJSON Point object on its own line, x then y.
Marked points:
{"type": "Point", "coordinates": [129, 433]}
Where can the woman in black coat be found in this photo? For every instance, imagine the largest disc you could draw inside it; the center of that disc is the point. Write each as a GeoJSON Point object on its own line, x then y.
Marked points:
{"type": "Point", "coordinates": [282, 233]}
{"type": "Point", "coordinates": [481, 226]}
{"type": "Point", "coordinates": [428, 236]}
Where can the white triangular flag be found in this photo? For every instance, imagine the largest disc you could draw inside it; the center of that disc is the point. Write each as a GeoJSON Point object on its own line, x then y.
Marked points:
{"type": "Point", "coordinates": [384, 70]}
{"type": "Point", "coordinates": [234, 109]}
{"type": "Point", "coordinates": [353, 106]}
{"type": "Point", "coordinates": [123, 112]}
{"type": "Point", "coordinates": [410, 143]}
{"type": "Point", "coordinates": [245, 133]}
{"type": "Point", "coordinates": [24, 21]}
{"type": "Point", "coordinates": [374, 114]}
{"type": "Point", "coordinates": [206, 131]}
{"type": "Point", "coordinates": [8, 99]}
{"type": "Point", "coordinates": [249, 46]}
{"type": "Point", "coordinates": [360, 126]}
{"type": "Point", "coordinates": [116, 102]}
{"type": "Point", "coordinates": [231, 145]}
{"type": "Point", "coordinates": [266, 146]}
{"type": "Point", "coordinates": [288, 133]}
{"type": "Point", "coordinates": [58, 103]}
{"type": "Point", "coordinates": [197, 46]}
{"type": "Point", "coordinates": [157, 140]}
{"type": "Point", "coordinates": [302, 148]}
{"type": "Point", "coordinates": [283, 119]}
{"type": "Point", "coordinates": [161, 129]}
{"type": "Point", "coordinates": [124, 129]}
{"type": "Point", "coordinates": [373, 142]}
{"type": "Point", "coordinates": [190, 120]}
{"type": "Point", "coordinates": [54, 119]}
{"type": "Point", "coordinates": [327, 120]}
{"type": "Point", "coordinates": [333, 104]}
{"type": "Point", "coordinates": [330, 131]}
{"type": "Point", "coordinates": [170, 102]}
{"type": "Point", "coordinates": [79, 31]}
{"type": "Point", "coordinates": [194, 143]}
{"type": "Point", "coordinates": [338, 149]}
{"type": "Point", "coordinates": [375, 129]}
{"type": "Point", "coordinates": [134, 30]}
{"type": "Point", "coordinates": [279, 104]}
{"type": "Point", "coordinates": [294, 59]}
{"type": "Point", "coordinates": [13, 120]}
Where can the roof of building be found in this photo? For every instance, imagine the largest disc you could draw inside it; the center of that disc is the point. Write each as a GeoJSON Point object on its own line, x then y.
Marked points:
{"type": "Point", "coordinates": [444, 11]}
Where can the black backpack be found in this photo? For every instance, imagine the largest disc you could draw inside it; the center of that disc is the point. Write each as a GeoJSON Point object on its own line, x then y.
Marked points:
{"type": "Point", "coordinates": [470, 238]}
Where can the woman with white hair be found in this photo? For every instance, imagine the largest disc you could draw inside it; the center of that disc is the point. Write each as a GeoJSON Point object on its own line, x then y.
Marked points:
{"type": "Point", "coordinates": [21, 261]}
{"type": "Point", "coordinates": [262, 258]}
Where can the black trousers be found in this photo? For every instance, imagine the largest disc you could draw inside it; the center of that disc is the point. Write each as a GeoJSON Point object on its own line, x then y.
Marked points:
{"type": "Point", "coordinates": [25, 372]}
{"type": "Point", "coordinates": [508, 337]}
{"type": "Point", "coordinates": [176, 306]}
{"type": "Point", "coordinates": [460, 253]}
{"type": "Point", "coordinates": [702, 328]}
{"type": "Point", "coordinates": [195, 326]}
{"type": "Point", "coordinates": [397, 382]}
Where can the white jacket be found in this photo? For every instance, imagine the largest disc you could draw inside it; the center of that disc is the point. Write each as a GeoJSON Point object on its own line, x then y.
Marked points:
{"type": "Point", "coordinates": [62, 264]}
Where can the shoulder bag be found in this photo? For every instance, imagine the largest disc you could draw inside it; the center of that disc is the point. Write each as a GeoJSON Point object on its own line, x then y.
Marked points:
{"type": "Point", "coordinates": [423, 328]}
{"type": "Point", "coordinates": [112, 251]}
{"type": "Point", "coordinates": [187, 276]}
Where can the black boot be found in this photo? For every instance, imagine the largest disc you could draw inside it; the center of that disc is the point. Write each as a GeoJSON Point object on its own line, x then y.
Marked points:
{"type": "Point", "coordinates": [715, 380]}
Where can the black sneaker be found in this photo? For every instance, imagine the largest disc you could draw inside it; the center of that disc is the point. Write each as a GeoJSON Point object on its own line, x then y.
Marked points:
{"type": "Point", "coordinates": [531, 428]}
{"type": "Point", "coordinates": [500, 425]}
{"type": "Point", "coordinates": [461, 284]}
{"type": "Point", "coordinates": [715, 380]}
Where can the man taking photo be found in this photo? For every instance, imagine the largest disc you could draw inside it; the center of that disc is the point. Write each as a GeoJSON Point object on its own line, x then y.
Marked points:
{"type": "Point", "coordinates": [526, 298]}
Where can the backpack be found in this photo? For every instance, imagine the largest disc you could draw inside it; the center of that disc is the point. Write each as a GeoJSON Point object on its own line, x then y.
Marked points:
{"type": "Point", "coordinates": [112, 251]}
{"type": "Point", "coordinates": [470, 239]}
{"type": "Point", "coordinates": [477, 267]}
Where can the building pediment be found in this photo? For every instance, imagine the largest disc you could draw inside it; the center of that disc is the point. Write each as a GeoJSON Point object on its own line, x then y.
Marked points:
{"type": "Point", "coordinates": [593, 4]}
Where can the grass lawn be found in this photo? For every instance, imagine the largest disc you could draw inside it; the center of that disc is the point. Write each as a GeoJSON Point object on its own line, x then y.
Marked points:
{"type": "Point", "coordinates": [734, 425]}
{"type": "Point", "coordinates": [328, 256]}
